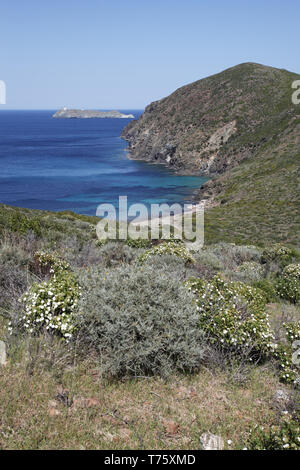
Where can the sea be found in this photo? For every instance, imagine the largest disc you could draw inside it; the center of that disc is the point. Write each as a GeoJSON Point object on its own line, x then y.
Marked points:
{"type": "Point", "coordinates": [77, 164]}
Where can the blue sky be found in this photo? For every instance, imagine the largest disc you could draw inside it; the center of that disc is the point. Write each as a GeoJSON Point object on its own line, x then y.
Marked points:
{"type": "Point", "coordinates": [125, 54]}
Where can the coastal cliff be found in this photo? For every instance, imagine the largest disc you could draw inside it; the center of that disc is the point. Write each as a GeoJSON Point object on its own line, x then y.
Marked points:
{"type": "Point", "coordinates": [241, 129]}
{"type": "Point", "coordinates": [88, 114]}
{"type": "Point", "coordinates": [213, 124]}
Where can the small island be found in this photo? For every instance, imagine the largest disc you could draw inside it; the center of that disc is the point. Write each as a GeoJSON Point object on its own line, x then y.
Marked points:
{"type": "Point", "coordinates": [88, 114]}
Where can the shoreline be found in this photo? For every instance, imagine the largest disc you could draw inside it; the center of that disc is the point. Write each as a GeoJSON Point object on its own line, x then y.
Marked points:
{"type": "Point", "coordinates": [191, 209]}
{"type": "Point", "coordinates": [195, 192]}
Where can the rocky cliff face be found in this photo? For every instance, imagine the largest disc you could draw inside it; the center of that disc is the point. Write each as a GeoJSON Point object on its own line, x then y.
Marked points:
{"type": "Point", "coordinates": [211, 125]}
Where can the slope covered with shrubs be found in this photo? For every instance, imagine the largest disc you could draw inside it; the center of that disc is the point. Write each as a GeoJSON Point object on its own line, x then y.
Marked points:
{"type": "Point", "coordinates": [156, 311]}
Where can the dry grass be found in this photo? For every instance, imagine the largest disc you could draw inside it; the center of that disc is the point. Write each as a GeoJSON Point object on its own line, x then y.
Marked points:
{"type": "Point", "coordinates": [50, 400]}
{"type": "Point", "coordinates": [77, 409]}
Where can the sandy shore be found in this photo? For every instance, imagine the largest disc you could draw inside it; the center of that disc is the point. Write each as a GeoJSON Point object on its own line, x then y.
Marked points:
{"type": "Point", "coordinates": [173, 219]}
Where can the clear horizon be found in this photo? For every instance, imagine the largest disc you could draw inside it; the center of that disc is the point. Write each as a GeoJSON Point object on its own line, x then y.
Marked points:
{"type": "Point", "coordinates": [106, 55]}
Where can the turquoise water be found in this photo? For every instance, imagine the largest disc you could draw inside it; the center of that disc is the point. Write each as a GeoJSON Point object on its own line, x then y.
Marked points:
{"type": "Point", "coordinates": [77, 164]}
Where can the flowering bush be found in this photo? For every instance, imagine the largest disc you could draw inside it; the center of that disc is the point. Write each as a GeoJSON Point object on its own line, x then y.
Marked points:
{"type": "Point", "coordinates": [51, 262]}
{"type": "Point", "coordinates": [289, 369]}
{"type": "Point", "coordinates": [292, 331]}
{"type": "Point", "coordinates": [233, 314]}
{"type": "Point", "coordinates": [292, 270]}
{"type": "Point", "coordinates": [50, 304]}
{"type": "Point", "coordinates": [288, 286]}
{"type": "Point", "coordinates": [277, 252]}
{"type": "Point", "coordinates": [168, 248]}
{"type": "Point", "coordinates": [252, 269]}
{"type": "Point", "coordinates": [283, 437]}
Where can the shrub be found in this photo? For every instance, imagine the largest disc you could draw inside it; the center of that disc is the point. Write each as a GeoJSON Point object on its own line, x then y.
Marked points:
{"type": "Point", "coordinates": [233, 314]}
{"type": "Point", "coordinates": [114, 253]}
{"type": "Point", "coordinates": [268, 288]}
{"type": "Point", "coordinates": [14, 276]}
{"type": "Point", "coordinates": [231, 255]}
{"type": "Point", "coordinates": [251, 269]}
{"type": "Point", "coordinates": [78, 253]}
{"type": "Point", "coordinates": [13, 255]}
{"type": "Point", "coordinates": [138, 243]}
{"type": "Point", "coordinates": [50, 305]}
{"type": "Point", "coordinates": [247, 272]}
{"type": "Point", "coordinates": [171, 248]}
{"type": "Point", "coordinates": [49, 262]}
{"type": "Point", "coordinates": [17, 221]}
{"type": "Point", "coordinates": [101, 242]}
{"type": "Point", "coordinates": [292, 271]}
{"type": "Point", "coordinates": [41, 354]}
{"type": "Point", "coordinates": [278, 252]}
{"type": "Point", "coordinates": [289, 369]}
{"type": "Point", "coordinates": [288, 285]}
{"type": "Point", "coordinates": [203, 272]}
{"type": "Point", "coordinates": [138, 321]}
{"type": "Point", "coordinates": [172, 266]}
{"type": "Point", "coordinates": [285, 436]}
{"type": "Point", "coordinates": [13, 282]}
{"type": "Point", "coordinates": [292, 331]}
{"type": "Point", "coordinates": [206, 258]}
{"type": "Point", "coordinates": [49, 228]}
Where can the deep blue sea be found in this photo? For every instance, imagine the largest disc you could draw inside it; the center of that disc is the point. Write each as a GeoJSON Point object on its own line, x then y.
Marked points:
{"type": "Point", "coordinates": [77, 164]}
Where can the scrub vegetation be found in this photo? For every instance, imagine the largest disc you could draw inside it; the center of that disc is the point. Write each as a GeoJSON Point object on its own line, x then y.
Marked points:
{"type": "Point", "coordinates": [126, 346]}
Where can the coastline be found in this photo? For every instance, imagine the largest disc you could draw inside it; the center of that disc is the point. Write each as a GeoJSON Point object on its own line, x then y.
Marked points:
{"type": "Point", "coordinates": [175, 218]}
{"type": "Point", "coordinates": [195, 192]}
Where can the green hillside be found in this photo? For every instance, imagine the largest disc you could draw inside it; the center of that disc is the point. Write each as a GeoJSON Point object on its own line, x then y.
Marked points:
{"type": "Point", "coordinates": [241, 128]}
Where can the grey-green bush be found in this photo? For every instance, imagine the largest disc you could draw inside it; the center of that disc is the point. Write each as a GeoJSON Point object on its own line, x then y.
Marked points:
{"type": "Point", "coordinates": [206, 258]}
{"type": "Point", "coordinates": [79, 253]}
{"type": "Point", "coordinates": [248, 272]}
{"type": "Point", "coordinates": [13, 282]}
{"type": "Point", "coordinates": [14, 276]}
{"type": "Point", "coordinates": [173, 266]}
{"type": "Point", "coordinates": [114, 253]}
{"type": "Point", "coordinates": [231, 255]}
{"type": "Point", "coordinates": [139, 321]}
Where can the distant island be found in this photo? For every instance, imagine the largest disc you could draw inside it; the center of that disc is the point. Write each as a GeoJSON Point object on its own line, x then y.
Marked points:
{"type": "Point", "coordinates": [88, 113]}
